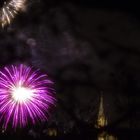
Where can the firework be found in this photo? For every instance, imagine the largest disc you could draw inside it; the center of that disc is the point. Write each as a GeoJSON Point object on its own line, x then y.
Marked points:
{"type": "Point", "coordinates": [9, 10]}
{"type": "Point", "coordinates": [25, 96]}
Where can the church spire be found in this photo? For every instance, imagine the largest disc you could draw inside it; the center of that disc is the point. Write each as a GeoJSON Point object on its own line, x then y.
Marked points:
{"type": "Point", "coordinates": [101, 108]}
{"type": "Point", "coordinates": [101, 120]}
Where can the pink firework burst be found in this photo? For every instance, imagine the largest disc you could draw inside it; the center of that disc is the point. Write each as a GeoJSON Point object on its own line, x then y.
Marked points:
{"type": "Point", "coordinates": [25, 96]}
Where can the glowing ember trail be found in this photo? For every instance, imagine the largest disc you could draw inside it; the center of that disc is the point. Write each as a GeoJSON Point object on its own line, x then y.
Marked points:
{"type": "Point", "coordinates": [25, 95]}
{"type": "Point", "coordinates": [9, 9]}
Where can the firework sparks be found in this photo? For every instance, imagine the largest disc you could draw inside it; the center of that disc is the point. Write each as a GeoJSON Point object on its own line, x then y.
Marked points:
{"type": "Point", "coordinates": [25, 95]}
{"type": "Point", "coordinates": [9, 10]}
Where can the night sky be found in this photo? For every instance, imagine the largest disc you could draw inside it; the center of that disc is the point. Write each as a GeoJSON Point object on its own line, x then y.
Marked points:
{"type": "Point", "coordinates": [87, 48]}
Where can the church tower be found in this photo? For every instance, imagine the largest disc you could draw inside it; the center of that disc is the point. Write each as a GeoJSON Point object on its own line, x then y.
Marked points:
{"type": "Point", "coordinates": [101, 120]}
